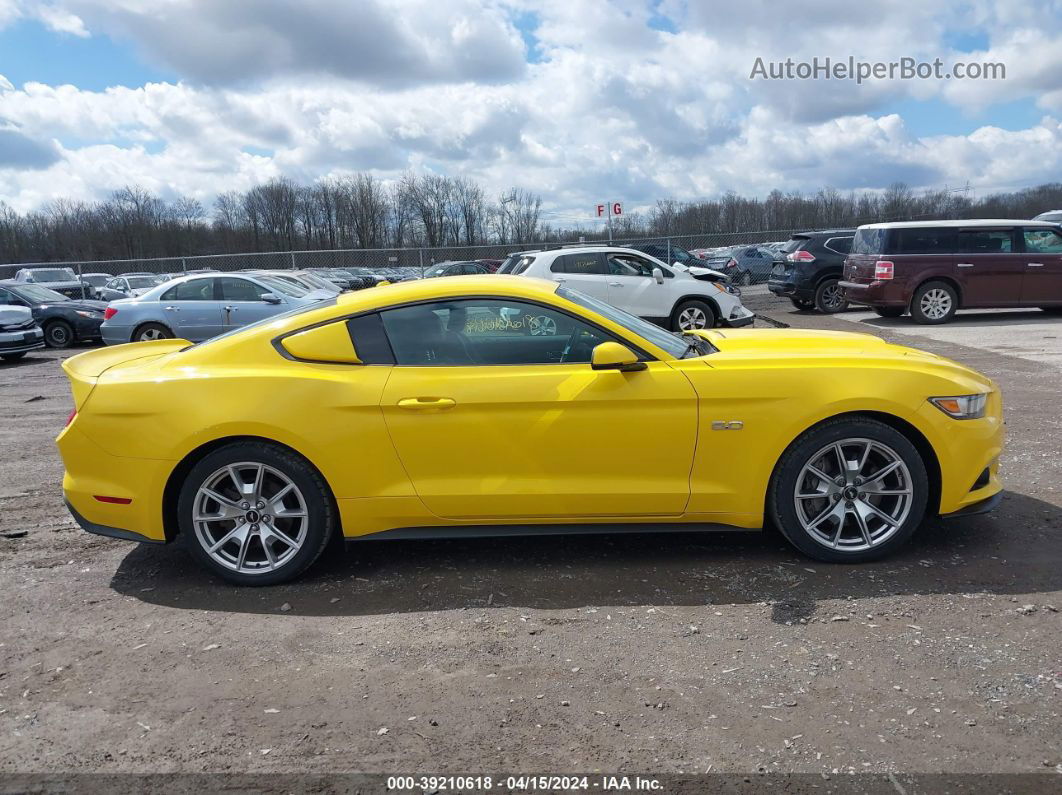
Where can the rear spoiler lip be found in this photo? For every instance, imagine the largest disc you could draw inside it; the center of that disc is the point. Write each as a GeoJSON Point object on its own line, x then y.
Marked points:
{"type": "Point", "coordinates": [92, 364]}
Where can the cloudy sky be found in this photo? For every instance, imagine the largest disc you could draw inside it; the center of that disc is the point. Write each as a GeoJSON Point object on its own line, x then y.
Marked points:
{"type": "Point", "coordinates": [580, 100]}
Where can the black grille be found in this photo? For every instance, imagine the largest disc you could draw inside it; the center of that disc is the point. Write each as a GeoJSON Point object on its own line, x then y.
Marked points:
{"type": "Point", "coordinates": [982, 480]}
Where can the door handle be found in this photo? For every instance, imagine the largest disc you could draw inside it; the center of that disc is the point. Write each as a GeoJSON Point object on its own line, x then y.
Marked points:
{"type": "Point", "coordinates": [559, 279]}
{"type": "Point", "coordinates": [1036, 264]}
{"type": "Point", "coordinates": [964, 264]}
{"type": "Point", "coordinates": [615, 284]}
{"type": "Point", "coordinates": [172, 309]}
{"type": "Point", "coordinates": [230, 308]}
{"type": "Point", "coordinates": [427, 403]}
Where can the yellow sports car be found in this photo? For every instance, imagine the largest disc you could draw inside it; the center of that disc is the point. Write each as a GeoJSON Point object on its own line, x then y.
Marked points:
{"type": "Point", "coordinates": [502, 405]}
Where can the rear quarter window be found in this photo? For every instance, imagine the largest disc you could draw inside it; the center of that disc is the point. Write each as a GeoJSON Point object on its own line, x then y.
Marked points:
{"type": "Point", "coordinates": [839, 245]}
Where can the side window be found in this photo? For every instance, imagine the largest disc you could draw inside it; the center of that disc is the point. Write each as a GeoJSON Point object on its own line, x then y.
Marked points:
{"type": "Point", "coordinates": [1043, 241]}
{"type": "Point", "coordinates": [927, 240]}
{"type": "Point", "coordinates": [194, 290]}
{"type": "Point", "coordinates": [626, 265]}
{"type": "Point", "coordinates": [233, 289]}
{"type": "Point", "coordinates": [590, 263]}
{"type": "Point", "coordinates": [370, 340]}
{"type": "Point", "coordinates": [6, 298]}
{"type": "Point", "coordinates": [484, 331]}
{"type": "Point", "coordinates": [839, 245]}
{"type": "Point", "coordinates": [985, 241]}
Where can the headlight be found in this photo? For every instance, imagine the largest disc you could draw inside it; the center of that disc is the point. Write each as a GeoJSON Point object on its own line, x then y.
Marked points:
{"type": "Point", "coordinates": [963, 407]}
{"type": "Point", "coordinates": [92, 315]}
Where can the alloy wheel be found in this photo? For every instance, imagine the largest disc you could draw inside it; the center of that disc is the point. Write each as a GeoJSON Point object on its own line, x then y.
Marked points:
{"type": "Point", "coordinates": [935, 303]}
{"type": "Point", "coordinates": [853, 495]}
{"type": "Point", "coordinates": [832, 297]}
{"type": "Point", "coordinates": [250, 517]}
{"type": "Point", "coordinates": [692, 317]}
{"type": "Point", "coordinates": [151, 334]}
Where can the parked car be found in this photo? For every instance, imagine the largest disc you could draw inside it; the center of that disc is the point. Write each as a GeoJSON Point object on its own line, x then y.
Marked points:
{"type": "Point", "coordinates": [492, 265]}
{"type": "Point", "coordinates": [743, 264]}
{"type": "Point", "coordinates": [61, 280]}
{"type": "Point", "coordinates": [130, 285]}
{"type": "Point", "coordinates": [640, 284]}
{"type": "Point", "coordinates": [19, 332]}
{"type": "Point", "coordinates": [202, 306]}
{"type": "Point", "coordinates": [465, 268]}
{"type": "Point", "coordinates": [97, 282]}
{"type": "Point", "coordinates": [933, 268]}
{"type": "Point", "coordinates": [309, 282]}
{"type": "Point", "coordinates": [1054, 216]}
{"type": "Point", "coordinates": [670, 253]}
{"type": "Point", "coordinates": [808, 270]}
{"type": "Point", "coordinates": [257, 448]}
{"type": "Point", "coordinates": [63, 320]}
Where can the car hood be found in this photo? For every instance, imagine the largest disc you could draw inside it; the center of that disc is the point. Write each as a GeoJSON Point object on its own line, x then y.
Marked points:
{"type": "Point", "coordinates": [701, 272]}
{"type": "Point", "coordinates": [14, 315]}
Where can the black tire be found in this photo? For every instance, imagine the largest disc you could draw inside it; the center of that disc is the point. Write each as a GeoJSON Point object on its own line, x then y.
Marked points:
{"type": "Point", "coordinates": [782, 501]}
{"type": "Point", "coordinates": [746, 278]}
{"type": "Point", "coordinates": [692, 307]}
{"type": "Point", "coordinates": [58, 334]}
{"type": "Point", "coordinates": [802, 305]}
{"type": "Point", "coordinates": [932, 313]}
{"type": "Point", "coordinates": [829, 297]}
{"type": "Point", "coordinates": [321, 521]}
{"type": "Point", "coordinates": [148, 331]}
{"type": "Point", "coordinates": [890, 311]}
{"type": "Point", "coordinates": [12, 357]}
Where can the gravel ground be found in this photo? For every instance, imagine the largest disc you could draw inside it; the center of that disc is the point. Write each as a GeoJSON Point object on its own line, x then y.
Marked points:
{"type": "Point", "coordinates": [641, 654]}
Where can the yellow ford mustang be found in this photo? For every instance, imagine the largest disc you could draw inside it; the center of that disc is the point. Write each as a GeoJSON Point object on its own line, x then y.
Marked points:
{"type": "Point", "coordinates": [502, 405]}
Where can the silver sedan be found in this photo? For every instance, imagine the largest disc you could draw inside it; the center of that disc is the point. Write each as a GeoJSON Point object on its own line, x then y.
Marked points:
{"type": "Point", "coordinates": [202, 306]}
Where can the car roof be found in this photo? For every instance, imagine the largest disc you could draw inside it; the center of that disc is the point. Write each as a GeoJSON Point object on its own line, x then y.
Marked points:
{"type": "Point", "coordinates": [452, 287]}
{"type": "Point", "coordinates": [965, 223]}
{"type": "Point", "coordinates": [823, 233]}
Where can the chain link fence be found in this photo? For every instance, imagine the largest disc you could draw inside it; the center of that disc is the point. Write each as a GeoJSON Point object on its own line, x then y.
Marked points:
{"type": "Point", "coordinates": [403, 262]}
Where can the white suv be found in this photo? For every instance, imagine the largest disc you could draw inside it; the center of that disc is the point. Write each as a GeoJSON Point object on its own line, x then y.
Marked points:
{"type": "Point", "coordinates": [677, 298]}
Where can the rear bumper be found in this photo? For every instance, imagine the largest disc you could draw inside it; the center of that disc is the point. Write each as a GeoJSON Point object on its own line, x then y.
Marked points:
{"type": "Point", "coordinates": [790, 289]}
{"type": "Point", "coordinates": [879, 293]}
{"type": "Point", "coordinates": [110, 532]}
{"type": "Point", "coordinates": [116, 335]}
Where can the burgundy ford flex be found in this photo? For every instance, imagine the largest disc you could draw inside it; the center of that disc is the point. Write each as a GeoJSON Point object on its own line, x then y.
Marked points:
{"type": "Point", "coordinates": [933, 268]}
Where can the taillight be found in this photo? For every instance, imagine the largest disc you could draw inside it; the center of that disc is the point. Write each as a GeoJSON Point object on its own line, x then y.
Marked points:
{"type": "Point", "coordinates": [70, 419]}
{"type": "Point", "coordinates": [883, 270]}
{"type": "Point", "coordinates": [109, 312]}
{"type": "Point", "coordinates": [731, 263]}
{"type": "Point", "coordinates": [801, 256]}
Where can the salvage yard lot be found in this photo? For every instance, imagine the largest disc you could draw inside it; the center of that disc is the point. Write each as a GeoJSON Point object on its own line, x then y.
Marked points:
{"type": "Point", "coordinates": [666, 653]}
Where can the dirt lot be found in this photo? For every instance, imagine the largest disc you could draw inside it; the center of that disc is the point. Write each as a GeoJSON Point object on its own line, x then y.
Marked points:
{"type": "Point", "coordinates": [640, 654]}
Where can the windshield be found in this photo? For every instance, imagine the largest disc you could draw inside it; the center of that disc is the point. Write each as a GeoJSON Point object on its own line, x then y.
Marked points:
{"type": "Point", "coordinates": [665, 340]}
{"type": "Point", "coordinates": [53, 275]}
{"type": "Point", "coordinates": [869, 241]}
{"type": "Point", "coordinates": [96, 280]}
{"type": "Point", "coordinates": [283, 286]}
{"type": "Point", "coordinates": [142, 282]}
{"type": "Point", "coordinates": [317, 281]}
{"type": "Point", "coordinates": [515, 264]}
{"type": "Point", "coordinates": [37, 294]}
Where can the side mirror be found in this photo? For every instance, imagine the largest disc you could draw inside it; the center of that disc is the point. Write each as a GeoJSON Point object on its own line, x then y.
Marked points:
{"type": "Point", "coordinates": [271, 298]}
{"type": "Point", "coordinates": [658, 275]}
{"type": "Point", "coordinates": [329, 344]}
{"type": "Point", "coordinates": [613, 356]}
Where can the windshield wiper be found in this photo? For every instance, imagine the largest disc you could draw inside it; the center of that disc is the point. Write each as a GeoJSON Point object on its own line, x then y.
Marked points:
{"type": "Point", "coordinates": [695, 343]}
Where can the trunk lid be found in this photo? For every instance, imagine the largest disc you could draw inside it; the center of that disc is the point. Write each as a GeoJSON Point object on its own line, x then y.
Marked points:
{"type": "Point", "coordinates": [85, 369]}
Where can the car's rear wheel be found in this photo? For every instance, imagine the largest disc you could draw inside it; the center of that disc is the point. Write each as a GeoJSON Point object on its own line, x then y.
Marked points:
{"type": "Point", "coordinates": [802, 305]}
{"type": "Point", "coordinates": [829, 297]}
{"type": "Point", "coordinates": [255, 513]}
{"type": "Point", "coordinates": [58, 334]}
{"type": "Point", "coordinates": [746, 278]}
{"type": "Point", "coordinates": [934, 303]}
{"type": "Point", "coordinates": [152, 331]}
{"type": "Point", "coordinates": [890, 311]}
{"type": "Point", "coordinates": [849, 490]}
{"type": "Point", "coordinates": [691, 315]}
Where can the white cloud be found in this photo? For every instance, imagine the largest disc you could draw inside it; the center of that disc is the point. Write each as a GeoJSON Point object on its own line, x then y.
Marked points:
{"type": "Point", "coordinates": [614, 108]}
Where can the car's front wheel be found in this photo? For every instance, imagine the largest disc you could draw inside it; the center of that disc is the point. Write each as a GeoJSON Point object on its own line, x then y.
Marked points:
{"type": "Point", "coordinates": [255, 513]}
{"type": "Point", "coordinates": [849, 490]}
{"type": "Point", "coordinates": [58, 334]}
{"type": "Point", "coordinates": [691, 315]}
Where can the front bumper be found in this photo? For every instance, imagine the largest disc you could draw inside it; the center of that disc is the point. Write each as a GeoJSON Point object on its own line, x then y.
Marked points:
{"type": "Point", "coordinates": [21, 341]}
{"type": "Point", "coordinates": [739, 317]}
{"type": "Point", "coordinates": [975, 508]}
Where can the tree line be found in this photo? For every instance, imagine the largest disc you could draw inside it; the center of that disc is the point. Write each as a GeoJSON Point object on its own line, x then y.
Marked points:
{"type": "Point", "coordinates": [429, 210]}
